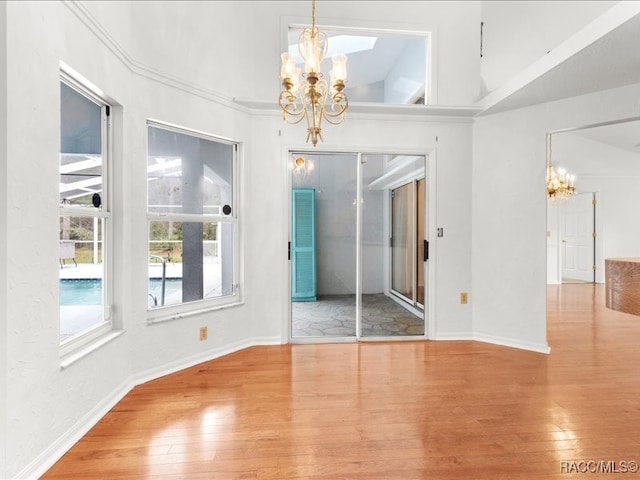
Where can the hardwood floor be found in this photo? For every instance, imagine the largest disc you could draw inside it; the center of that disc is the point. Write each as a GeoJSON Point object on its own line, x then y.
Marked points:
{"type": "Point", "coordinates": [406, 410]}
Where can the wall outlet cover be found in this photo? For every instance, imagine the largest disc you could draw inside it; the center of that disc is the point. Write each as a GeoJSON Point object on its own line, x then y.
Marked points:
{"type": "Point", "coordinates": [204, 333]}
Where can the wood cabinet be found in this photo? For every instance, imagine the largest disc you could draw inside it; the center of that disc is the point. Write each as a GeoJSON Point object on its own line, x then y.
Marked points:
{"type": "Point", "coordinates": [622, 279]}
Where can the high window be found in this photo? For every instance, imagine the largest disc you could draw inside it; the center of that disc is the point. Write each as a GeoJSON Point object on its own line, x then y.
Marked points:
{"type": "Point", "coordinates": [84, 215]}
{"type": "Point", "coordinates": [389, 67]}
{"type": "Point", "coordinates": [192, 219]}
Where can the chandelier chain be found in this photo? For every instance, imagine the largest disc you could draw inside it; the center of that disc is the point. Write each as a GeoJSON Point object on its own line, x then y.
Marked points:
{"type": "Point", "coordinates": [312, 97]}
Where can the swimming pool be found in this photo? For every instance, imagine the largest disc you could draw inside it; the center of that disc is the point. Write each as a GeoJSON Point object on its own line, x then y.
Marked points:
{"type": "Point", "coordinates": [88, 291]}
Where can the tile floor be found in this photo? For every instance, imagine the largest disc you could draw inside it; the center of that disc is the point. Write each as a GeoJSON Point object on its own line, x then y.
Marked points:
{"type": "Point", "coordinates": [334, 316]}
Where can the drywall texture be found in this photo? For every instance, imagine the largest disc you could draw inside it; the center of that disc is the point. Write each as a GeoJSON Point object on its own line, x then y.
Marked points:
{"type": "Point", "coordinates": [516, 34]}
{"type": "Point", "coordinates": [140, 56]}
{"type": "Point", "coordinates": [509, 209]}
{"type": "Point", "coordinates": [3, 237]}
{"type": "Point", "coordinates": [230, 46]}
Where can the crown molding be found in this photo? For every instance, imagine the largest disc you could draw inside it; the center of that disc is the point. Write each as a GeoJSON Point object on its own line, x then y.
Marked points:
{"type": "Point", "coordinates": [260, 107]}
{"type": "Point", "coordinates": [139, 68]}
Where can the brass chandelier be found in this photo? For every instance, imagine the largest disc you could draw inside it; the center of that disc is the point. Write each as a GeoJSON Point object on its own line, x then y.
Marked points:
{"type": "Point", "coordinates": [312, 97]}
{"type": "Point", "coordinates": [560, 184]}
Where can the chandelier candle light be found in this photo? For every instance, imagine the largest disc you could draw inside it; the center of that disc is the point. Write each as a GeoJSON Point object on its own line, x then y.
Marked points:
{"type": "Point", "coordinates": [560, 184]}
{"type": "Point", "coordinates": [307, 98]}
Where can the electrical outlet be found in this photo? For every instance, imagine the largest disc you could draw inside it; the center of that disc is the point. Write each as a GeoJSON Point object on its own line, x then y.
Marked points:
{"type": "Point", "coordinates": [464, 297]}
{"type": "Point", "coordinates": [204, 332]}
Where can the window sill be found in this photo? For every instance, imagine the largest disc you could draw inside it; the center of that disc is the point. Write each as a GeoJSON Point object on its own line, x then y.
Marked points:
{"type": "Point", "coordinates": [178, 315]}
{"type": "Point", "coordinates": [69, 359]}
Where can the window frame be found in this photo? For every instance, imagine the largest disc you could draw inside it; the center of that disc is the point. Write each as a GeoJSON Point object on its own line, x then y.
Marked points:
{"type": "Point", "coordinates": [195, 307]}
{"type": "Point", "coordinates": [428, 34]}
{"type": "Point", "coordinates": [106, 326]}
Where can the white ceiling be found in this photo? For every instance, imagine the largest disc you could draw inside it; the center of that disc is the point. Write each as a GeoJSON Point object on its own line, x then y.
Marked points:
{"type": "Point", "coordinates": [606, 55]}
{"type": "Point", "coordinates": [611, 60]}
{"type": "Point", "coordinates": [624, 135]}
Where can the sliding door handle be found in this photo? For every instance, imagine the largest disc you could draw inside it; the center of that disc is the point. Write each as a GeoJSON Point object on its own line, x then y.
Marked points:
{"type": "Point", "coordinates": [426, 250]}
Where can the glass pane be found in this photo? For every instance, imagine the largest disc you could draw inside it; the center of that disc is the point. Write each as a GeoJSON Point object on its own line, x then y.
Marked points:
{"type": "Point", "coordinates": [420, 222]}
{"type": "Point", "coordinates": [189, 261]}
{"type": "Point", "coordinates": [402, 259]}
{"type": "Point", "coordinates": [332, 181]}
{"type": "Point", "coordinates": [80, 149]}
{"type": "Point", "coordinates": [383, 314]}
{"type": "Point", "coordinates": [81, 274]}
{"type": "Point", "coordinates": [382, 67]}
{"type": "Point", "coordinates": [188, 174]}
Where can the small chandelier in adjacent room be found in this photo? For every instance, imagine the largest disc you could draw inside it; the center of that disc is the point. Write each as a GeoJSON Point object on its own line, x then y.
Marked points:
{"type": "Point", "coordinates": [560, 184]}
{"type": "Point", "coordinates": [313, 97]}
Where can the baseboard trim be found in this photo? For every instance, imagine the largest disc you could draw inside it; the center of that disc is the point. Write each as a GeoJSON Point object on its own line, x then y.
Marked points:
{"type": "Point", "coordinates": [453, 336]}
{"type": "Point", "coordinates": [513, 343]}
{"type": "Point", "coordinates": [53, 453]}
{"type": "Point", "coordinates": [494, 340]}
{"type": "Point", "coordinates": [57, 449]}
{"type": "Point", "coordinates": [183, 363]}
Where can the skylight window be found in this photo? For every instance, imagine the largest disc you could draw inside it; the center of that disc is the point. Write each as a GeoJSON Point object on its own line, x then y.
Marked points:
{"type": "Point", "coordinates": [338, 44]}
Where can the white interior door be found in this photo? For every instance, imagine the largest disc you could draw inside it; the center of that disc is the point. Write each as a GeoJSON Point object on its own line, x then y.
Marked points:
{"type": "Point", "coordinates": [578, 229]}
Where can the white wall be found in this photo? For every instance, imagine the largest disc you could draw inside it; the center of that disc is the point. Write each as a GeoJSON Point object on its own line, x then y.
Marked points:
{"type": "Point", "coordinates": [554, 276]}
{"type": "Point", "coordinates": [589, 158]}
{"type": "Point", "coordinates": [236, 58]}
{"type": "Point", "coordinates": [516, 34]}
{"type": "Point", "coordinates": [3, 238]}
{"type": "Point", "coordinates": [44, 403]}
{"type": "Point", "coordinates": [509, 210]}
{"type": "Point", "coordinates": [47, 408]}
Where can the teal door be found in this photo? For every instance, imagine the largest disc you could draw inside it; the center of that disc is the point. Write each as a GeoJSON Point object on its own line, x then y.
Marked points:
{"type": "Point", "coordinates": [303, 245]}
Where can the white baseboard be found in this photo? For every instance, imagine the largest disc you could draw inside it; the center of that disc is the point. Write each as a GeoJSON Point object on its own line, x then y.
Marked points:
{"type": "Point", "coordinates": [494, 340]}
{"type": "Point", "coordinates": [181, 364]}
{"type": "Point", "coordinates": [453, 336]}
{"type": "Point", "coordinates": [513, 343]}
{"type": "Point", "coordinates": [53, 453]}
{"type": "Point", "coordinates": [57, 449]}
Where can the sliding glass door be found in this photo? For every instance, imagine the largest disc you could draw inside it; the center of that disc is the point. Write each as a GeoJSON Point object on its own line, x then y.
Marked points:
{"type": "Point", "coordinates": [402, 245]}
{"type": "Point", "coordinates": [421, 240]}
{"type": "Point", "coordinates": [408, 248]}
{"type": "Point", "coordinates": [355, 237]}
{"type": "Point", "coordinates": [323, 245]}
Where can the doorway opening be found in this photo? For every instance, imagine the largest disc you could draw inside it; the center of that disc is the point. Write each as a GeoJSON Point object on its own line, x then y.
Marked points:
{"type": "Point", "coordinates": [356, 246]}
{"type": "Point", "coordinates": [605, 159]}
